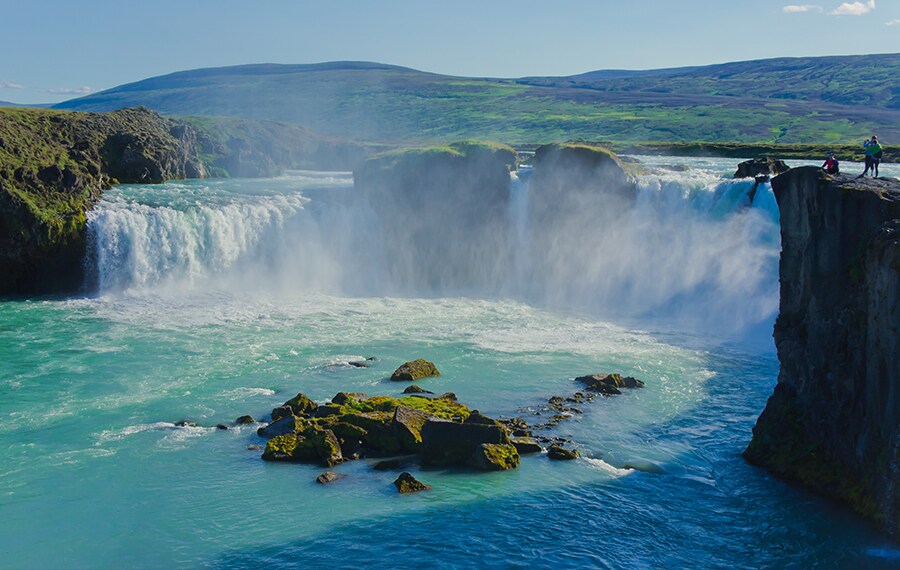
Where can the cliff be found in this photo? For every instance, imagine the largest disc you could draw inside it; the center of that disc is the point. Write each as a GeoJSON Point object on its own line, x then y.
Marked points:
{"type": "Point", "coordinates": [54, 166]}
{"type": "Point", "coordinates": [833, 423]}
{"type": "Point", "coordinates": [442, 212]}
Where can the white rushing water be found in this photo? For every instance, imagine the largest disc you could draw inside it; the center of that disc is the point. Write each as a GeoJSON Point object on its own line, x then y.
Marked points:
{"type": "Point", "coordinates": [693, 249]}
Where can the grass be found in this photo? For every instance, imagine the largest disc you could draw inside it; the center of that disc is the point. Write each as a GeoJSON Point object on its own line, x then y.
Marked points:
{"type": "Point", "coordinates": [776, 102]}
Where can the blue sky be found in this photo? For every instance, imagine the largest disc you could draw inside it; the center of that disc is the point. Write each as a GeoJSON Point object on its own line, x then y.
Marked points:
{"type": "Point", "coordinates": [53, 50]}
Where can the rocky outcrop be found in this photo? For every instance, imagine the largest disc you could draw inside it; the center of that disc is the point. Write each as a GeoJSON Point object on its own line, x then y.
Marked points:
{"type": "Point", "coordinates": [758, 167]}
{"type": "Point", "coordinates": [833, 423]}
{"type": "Point", "coordinates": [53, 168]}
{"type": "Point", "coordinates": [442, 212]}
{"type": "Point", "coordinates": [574, 186]}
{"type": "Point", "coordinates": [415, 370]}
{"type": "Point", "coordinates": [406, 483]}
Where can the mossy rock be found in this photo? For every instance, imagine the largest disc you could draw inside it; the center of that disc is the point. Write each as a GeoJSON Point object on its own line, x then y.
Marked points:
{"type": "Point", "coordinates": [407, 424]}
{"type": "Point", "coordinates": [344, 398]}
{"type": "Point", "coordinates": [301, 405]}
{"type": "Point", "coordinates": [609, 384]}
{"type": "Point", "coordinates": [415, 370]}
{"type": "Point", "coordinates": [494, 457]}
{"type": "Point", "coordinates": [406, 483]}
{"type": "Point", "coordinates": [313, 445]}
{"type": "Point", "coordinates": [283, 426]}
{"type": "Point", "coordinates": [448, 442]}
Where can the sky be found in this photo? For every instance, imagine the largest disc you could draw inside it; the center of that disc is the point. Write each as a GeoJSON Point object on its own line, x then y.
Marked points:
{"type": "Point", "coordinates": [53, 50]}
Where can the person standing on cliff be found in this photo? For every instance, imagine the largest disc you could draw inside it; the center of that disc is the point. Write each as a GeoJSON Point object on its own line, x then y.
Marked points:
{"type": "Point", "coordinates": [874, 153]}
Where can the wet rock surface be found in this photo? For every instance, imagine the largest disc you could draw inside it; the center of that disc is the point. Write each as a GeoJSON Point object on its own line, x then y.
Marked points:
{"type": "Point", "coordinates": [406, 483]}
{"type": "Point", "coordinates": [415, 370]}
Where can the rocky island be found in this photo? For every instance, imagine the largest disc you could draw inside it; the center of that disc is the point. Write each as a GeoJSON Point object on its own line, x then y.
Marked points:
{"type": "Point", "coordinates": [833, 423]}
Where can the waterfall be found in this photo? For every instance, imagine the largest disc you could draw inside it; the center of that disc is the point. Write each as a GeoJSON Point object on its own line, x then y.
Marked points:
{"type": "Point", "coordinates": [519, 229]}
{"type": "Point", "coordinates": [691, 247]}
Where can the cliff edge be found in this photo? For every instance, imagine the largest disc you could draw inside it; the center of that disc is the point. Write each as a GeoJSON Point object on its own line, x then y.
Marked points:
{"type": "Point", "coordinates": [833, 423]}
{"type": "Point", "coordinates": [54, 166]}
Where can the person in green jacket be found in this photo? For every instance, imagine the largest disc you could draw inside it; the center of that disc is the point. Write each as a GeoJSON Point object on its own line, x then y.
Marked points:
{"type": "Point", "coordinates": [874, 152]}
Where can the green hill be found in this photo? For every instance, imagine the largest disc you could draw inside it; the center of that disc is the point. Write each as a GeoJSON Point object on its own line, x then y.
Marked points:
{"type": "Point", "coordinates": [811, 100]}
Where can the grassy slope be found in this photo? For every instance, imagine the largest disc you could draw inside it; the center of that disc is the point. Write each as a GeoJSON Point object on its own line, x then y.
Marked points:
{"type": "Point", "coordinates": [846, 80]}
{"type": "Point", "coordinates": [386, 103]}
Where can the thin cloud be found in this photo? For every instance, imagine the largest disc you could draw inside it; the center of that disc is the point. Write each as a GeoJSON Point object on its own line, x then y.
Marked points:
{"type": "Point", "coordinates": [5, 84]}
{"type": "Point", "coordinates": [71, 91]}
{"type": "Point", "coordinates": [854, 8]}
{"type": "Point", "coordinates": [893, 22]}
{"type": "Point", "coordinates": [802, 8]}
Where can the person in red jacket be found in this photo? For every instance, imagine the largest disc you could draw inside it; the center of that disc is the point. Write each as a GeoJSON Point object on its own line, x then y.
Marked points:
{"type": "Point", "coordinates": [832, 166]}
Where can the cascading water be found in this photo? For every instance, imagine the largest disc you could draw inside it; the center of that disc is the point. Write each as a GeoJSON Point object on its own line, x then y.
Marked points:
{"type": "Point", "coordinates": [692, 248]}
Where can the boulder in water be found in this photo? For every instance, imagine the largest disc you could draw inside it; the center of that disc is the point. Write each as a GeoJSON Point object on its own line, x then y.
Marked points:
{"type": "Point", "coordinates": [301, 405]}
{"type": "Point", "coordinates": [415, 370]}
{"type": "Point", "coordinates": [560, 453]}
{"type": "Point", "coordinates": [414, 389]}
{"type": "Point", "coordinates": [313, 445]}
{"type": "Point", "coordinates": [767, 166]}
{"type": "Point", "coordinates": [525, 445]}
{"type": "Point", "coordinates": [406, 483]}
{"type": "Point", "coordinates": [244, 420]}
{"type": "Point", "coordinates": [609, 384]}
{"type": "Point", "coordinates": [329, 477]}
{"type": "Point", "coordinates": [494, 457]}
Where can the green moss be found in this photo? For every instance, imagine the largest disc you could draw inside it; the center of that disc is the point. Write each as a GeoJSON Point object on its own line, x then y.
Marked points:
{"type": "Point", "coordinates": [415, 370]}
{"type": "Point", "coordinates": [495, 457]}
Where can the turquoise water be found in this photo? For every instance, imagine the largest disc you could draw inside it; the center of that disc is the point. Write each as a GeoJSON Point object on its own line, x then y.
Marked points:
{"type": "Point", "coordinates": [203, 318]}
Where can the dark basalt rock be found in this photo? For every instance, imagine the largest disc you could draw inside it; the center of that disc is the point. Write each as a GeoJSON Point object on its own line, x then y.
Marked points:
{"type": "Point", "coordinates": [407, 424]}
{"type": "Point", "coordinates": [343, 397]}
{"type": "Point", "coordinates": [608, 384]}
{"type": "Point", "coordinates": [833, 422]}
{"type": "Point", "coordinates": [416, 390]}
{"type": "Point", "coordinates": [526, 445]}
{"type": "Point", "coordinates": [283, 426]}
{"type": "Point", "coordinates": [559, 453]}
{"type": "Point", "coordinates": [406, 483]}
{"type": "Point", "coordinates": [329, 477]}
{"type": "Point", "coordinates": [448, 396]}
{"type": "Point", "coordinates": [756, 167]}
{"type": "Point", "coordinates": [477, 417]}
{"type": "Point", "coordinates": [185, 423]}
{"type": "Point", "coordinates": [446, 442]}
{"type": "Point", "coordinates": [415, 370]}
{"type": "Point", "coordinates": [244, 420]}
{"type": "Point", "coordinates": [221, 427]}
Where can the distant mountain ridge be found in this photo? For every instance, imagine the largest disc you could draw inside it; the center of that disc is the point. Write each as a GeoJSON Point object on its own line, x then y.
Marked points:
{"type": "Point", "coordinates": [787, 100]}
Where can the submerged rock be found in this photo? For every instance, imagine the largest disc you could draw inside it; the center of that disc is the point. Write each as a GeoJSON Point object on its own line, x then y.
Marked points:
{"type": "Point", "coordinates": [560, 453]}
{"type": "Point", "coordinates": [406, 483]}
{"type": "Point", "coordinates": [221, 427]}
{"type": "Point", "coordinates": [185, 423]}
{"type": "Point", "coordinates": [415, 370]}
{"type": "Point", "coordinates": [329, 477]}
{"type": "Point", "coordinates": [387, 465]}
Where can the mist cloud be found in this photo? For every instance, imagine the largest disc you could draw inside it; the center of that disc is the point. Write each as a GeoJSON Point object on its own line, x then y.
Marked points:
{"type": "Point", "coordinates": [893, 22]}
{"type": "Point", "coordinates": [6, 84]}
